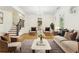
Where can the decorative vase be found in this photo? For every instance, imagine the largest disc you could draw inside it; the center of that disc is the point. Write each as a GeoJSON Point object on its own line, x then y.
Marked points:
{"type": "Point", "coordinates": [41, 41]}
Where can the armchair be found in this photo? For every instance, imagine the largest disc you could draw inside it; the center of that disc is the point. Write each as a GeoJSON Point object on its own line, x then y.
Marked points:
{"type": "Point", "coordinates": [4, 41]}
{"type": "Point", "coordinates": [3, 46]}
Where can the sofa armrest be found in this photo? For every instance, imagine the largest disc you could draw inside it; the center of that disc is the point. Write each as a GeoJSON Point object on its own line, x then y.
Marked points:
{"type": "Point", "coordinates": [3, 43]}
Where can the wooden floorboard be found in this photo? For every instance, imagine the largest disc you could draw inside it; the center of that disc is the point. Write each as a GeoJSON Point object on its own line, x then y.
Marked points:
{"type": "Point", "coordinates": [27, 36]}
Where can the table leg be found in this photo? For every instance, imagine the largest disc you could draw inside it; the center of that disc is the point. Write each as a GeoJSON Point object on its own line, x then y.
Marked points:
{"type": "Point", "coordinates": [20, 49]}
{"type": "Point", "coordinates": [12, 49]}
{"type": "Point", "coordinates": [33, 51]}
{"type": "Point", "coordinates": [47, 51]}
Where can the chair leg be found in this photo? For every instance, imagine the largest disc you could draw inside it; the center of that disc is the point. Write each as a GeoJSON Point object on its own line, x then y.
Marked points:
{"type": "Point", "coordinates": [12, 49]}
{"type": "Point", "coordinates": [47, 51]}
{"type": "Point", "coordinates": [33, 51]}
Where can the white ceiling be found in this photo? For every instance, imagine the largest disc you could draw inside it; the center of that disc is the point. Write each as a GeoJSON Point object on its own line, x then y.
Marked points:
{"type": "Point", "coordinates": [39, 10]}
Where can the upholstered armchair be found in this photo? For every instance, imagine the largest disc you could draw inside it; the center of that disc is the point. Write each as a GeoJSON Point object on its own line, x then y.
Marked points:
{"type": "Point", "coordinates": [4, 41]}
{"type": "Point", "coordinates": [3, 46]}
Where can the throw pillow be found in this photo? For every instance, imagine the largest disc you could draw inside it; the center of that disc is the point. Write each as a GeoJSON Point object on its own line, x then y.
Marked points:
{"type": "Point", "coordinates": [67, 35]}
{"type": "Point", "coordinates": [73, 36]}
{"type": "Point", "coordinates": [77, 37]}
{"type": "Point", "coordinates": [3, 38]}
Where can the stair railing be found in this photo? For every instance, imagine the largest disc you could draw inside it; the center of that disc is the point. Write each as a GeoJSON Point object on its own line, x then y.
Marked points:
{"type": "Point", "coordinates": [19, 26]}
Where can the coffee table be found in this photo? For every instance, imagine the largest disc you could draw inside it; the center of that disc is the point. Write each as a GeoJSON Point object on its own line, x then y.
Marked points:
{"type": "Point", "coordinates": [43, 46]}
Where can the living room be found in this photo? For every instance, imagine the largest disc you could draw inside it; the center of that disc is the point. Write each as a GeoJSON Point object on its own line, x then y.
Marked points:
{"type": "Point", "coordinates": [57, 26]}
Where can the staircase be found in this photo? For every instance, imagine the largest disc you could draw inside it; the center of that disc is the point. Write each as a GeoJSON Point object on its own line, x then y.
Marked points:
{"type": "Point", "coordinates": [13, 31]}
{"type": "Point", "coordinates": [16, 28]}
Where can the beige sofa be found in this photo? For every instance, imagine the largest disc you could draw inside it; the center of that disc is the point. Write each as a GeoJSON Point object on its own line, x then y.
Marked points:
{"type": "Point", "coordinates": [66, 45]}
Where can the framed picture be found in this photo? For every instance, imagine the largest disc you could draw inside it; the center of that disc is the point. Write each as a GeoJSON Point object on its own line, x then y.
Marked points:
{"type": "Point", "coordinates": [1, 17]}
{"type": "Point", "coordinates": [39, 21]}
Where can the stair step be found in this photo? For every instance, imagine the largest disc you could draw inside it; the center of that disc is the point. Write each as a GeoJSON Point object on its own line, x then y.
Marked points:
{"type": "Point", "coordinates": [12, 31]}
{"type": "Point", "coordinates": [12, 34]}
{"type": "Point", "coordinates": [13, 28]}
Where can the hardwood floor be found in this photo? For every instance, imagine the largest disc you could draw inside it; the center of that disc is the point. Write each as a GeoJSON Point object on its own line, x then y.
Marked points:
{"type": "Point", "coordinates": [27, 36]}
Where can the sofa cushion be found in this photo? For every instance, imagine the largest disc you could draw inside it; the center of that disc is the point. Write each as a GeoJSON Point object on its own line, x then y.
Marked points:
{"type": "Point", "coordinates": [73, 36]}
{"type": "Point", "coordinates": [59, 38]}
{"type": "Point", "coordinates": [70, 46]}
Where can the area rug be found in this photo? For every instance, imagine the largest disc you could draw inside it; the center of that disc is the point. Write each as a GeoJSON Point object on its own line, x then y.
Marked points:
{"type": "Point", "coordinates": [26, 47]}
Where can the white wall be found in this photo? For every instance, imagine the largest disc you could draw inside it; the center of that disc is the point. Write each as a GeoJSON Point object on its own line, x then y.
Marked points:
{"type": "Point", "coordinates": [16, 17]}
{"type": "Point", "coordinates": [31, 21]}
{"type": "Point", "coordinates": [7, 22]}
{"type": "Point", "coordinates": [71, 21]}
